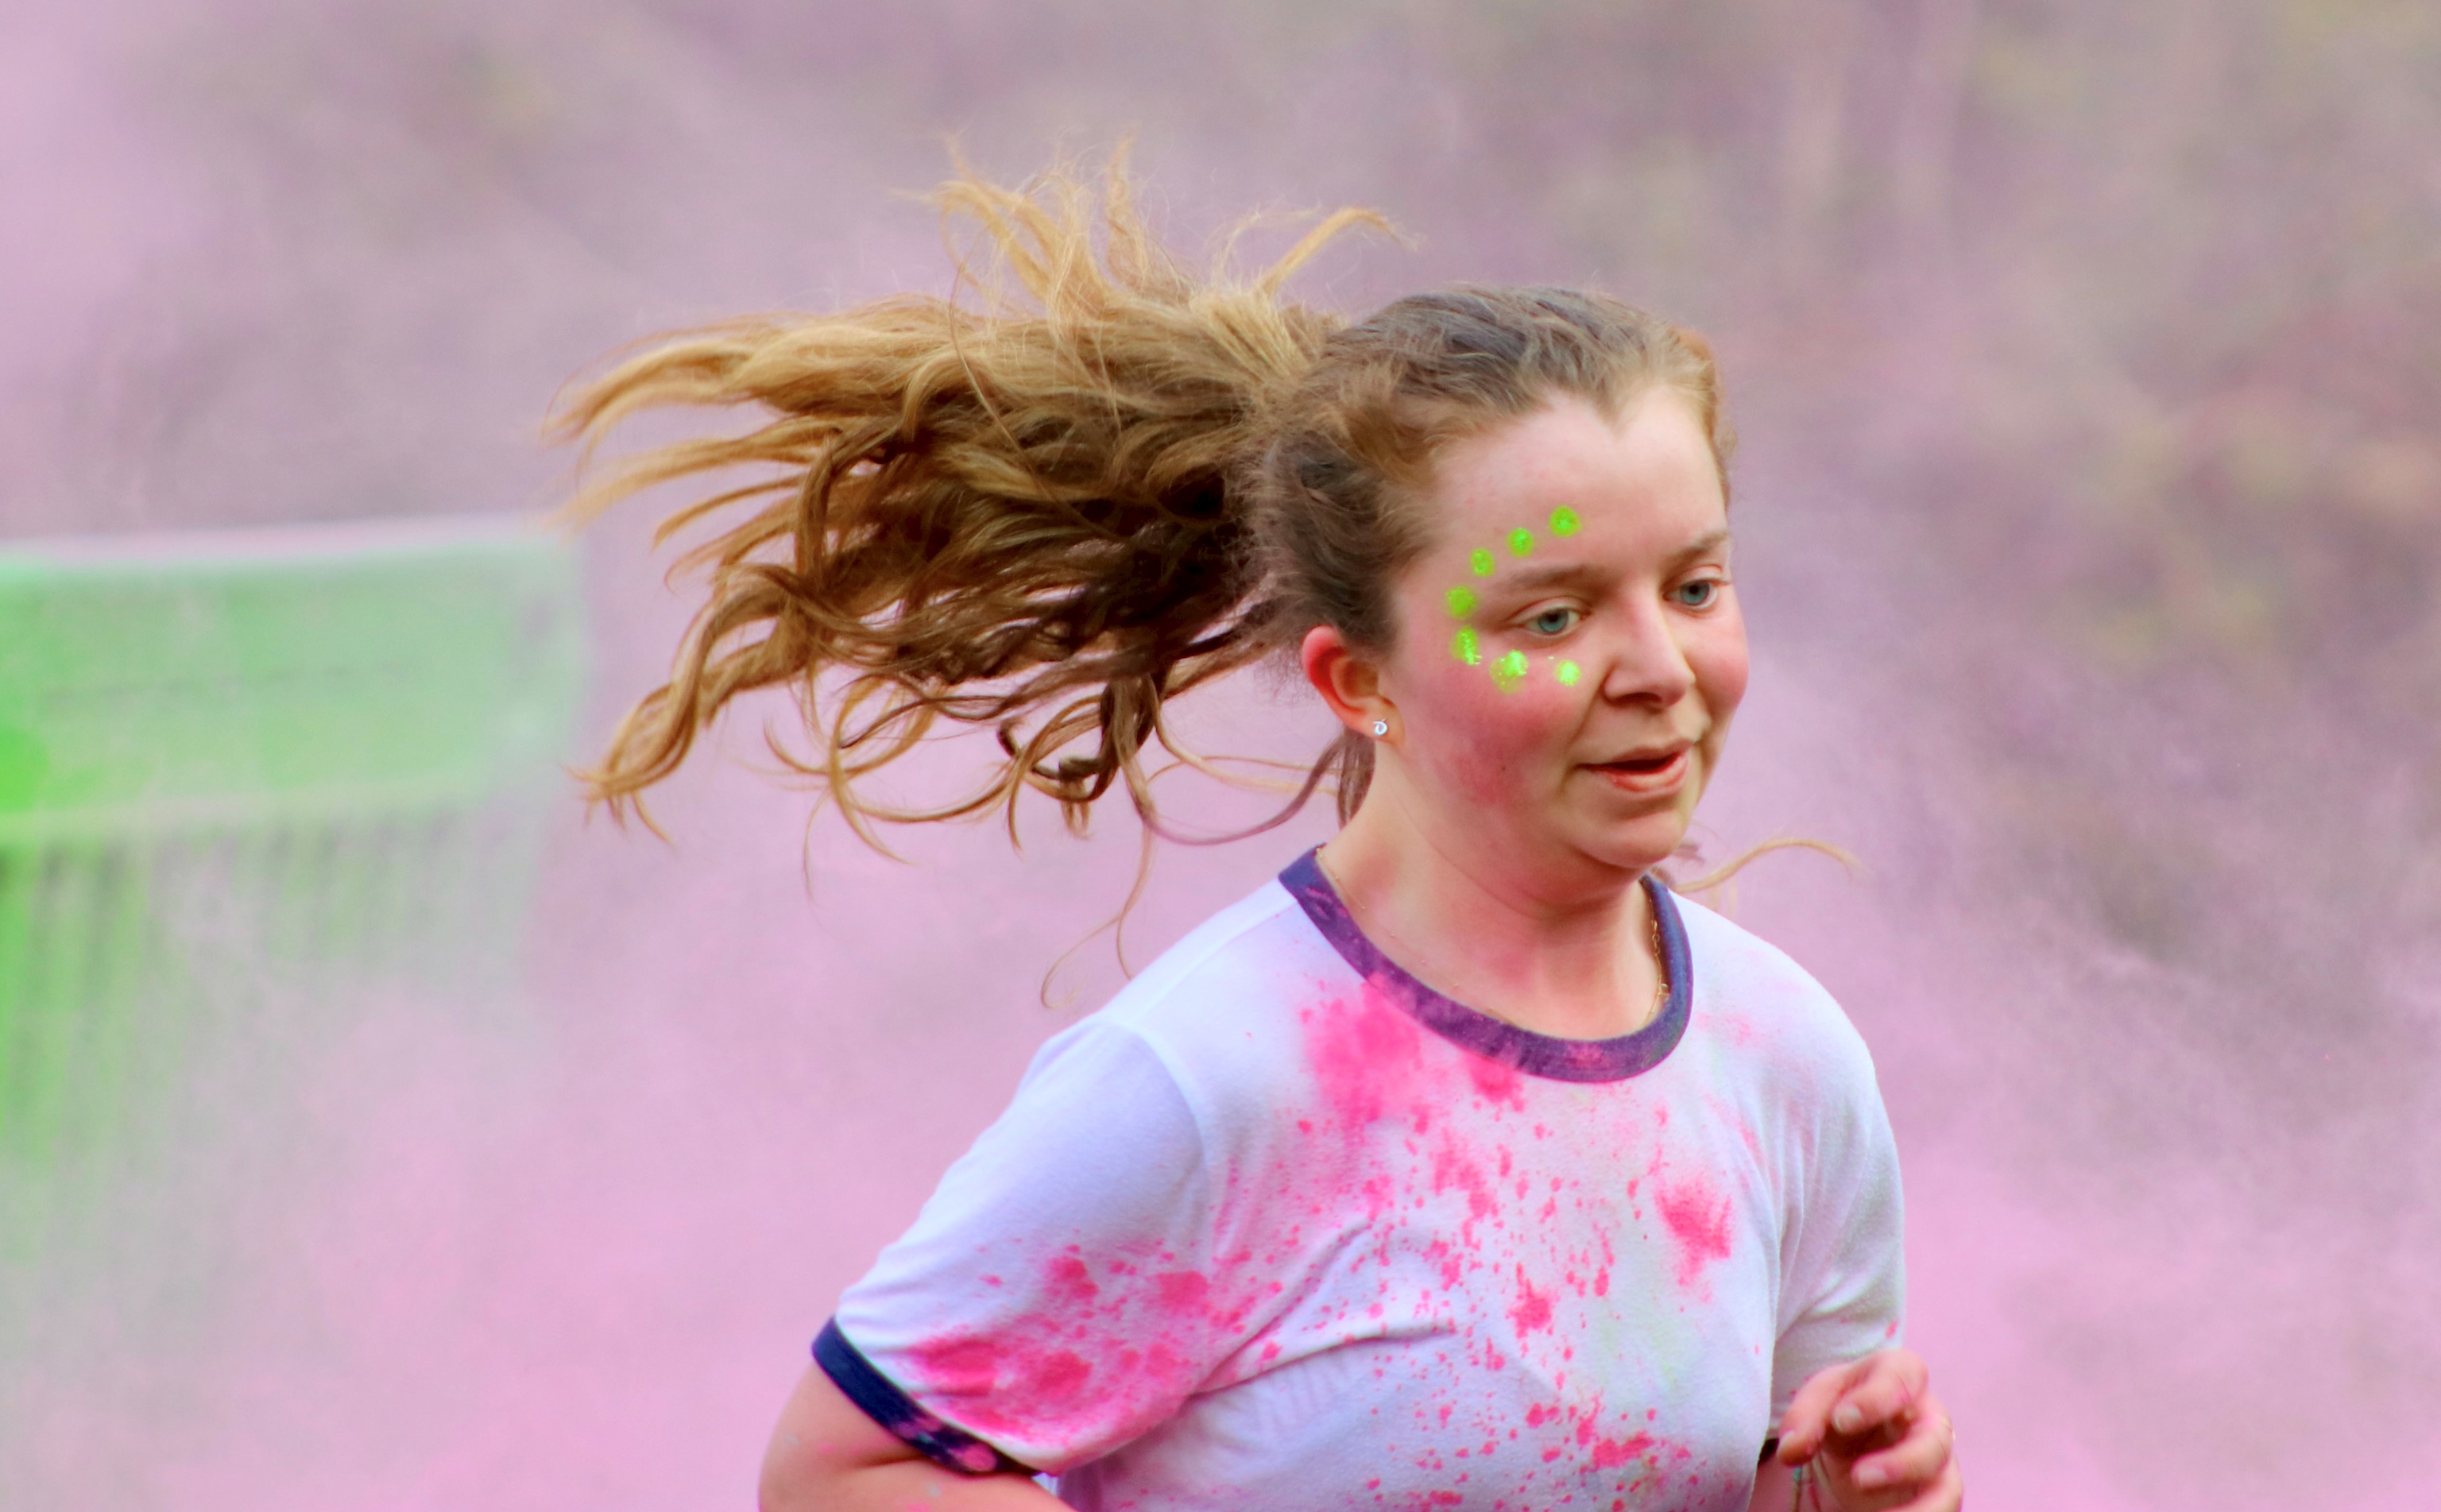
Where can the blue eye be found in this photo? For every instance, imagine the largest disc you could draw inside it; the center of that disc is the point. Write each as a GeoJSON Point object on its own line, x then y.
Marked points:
{"type": "Point", "coordinates": [1696, 594]}
{"type": "Point", "coordinates": [1552, 621]}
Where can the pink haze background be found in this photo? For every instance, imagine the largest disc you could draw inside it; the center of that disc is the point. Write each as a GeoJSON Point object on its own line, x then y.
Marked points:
{"type": "Point", "coordinates": [2090, 508]}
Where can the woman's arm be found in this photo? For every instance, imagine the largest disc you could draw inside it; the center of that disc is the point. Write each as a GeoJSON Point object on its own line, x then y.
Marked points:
{"type": "Point", "coordinates": [827, 1456]}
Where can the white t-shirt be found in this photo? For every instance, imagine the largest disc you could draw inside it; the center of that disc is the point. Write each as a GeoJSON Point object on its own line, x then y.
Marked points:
{"type": "Point", "coordinates": [1282, 1228]}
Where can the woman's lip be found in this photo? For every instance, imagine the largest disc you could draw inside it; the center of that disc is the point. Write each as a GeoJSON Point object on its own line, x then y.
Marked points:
{"type": "Point", "coordinates": [1659, 779]}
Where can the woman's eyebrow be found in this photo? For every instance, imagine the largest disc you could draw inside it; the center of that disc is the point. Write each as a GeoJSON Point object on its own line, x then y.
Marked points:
{"type": "Point", "coordinates": [1703, 545]}
{"type": "Point", "coordinates": [1561, 573]}
{"type": "Point", "coordinates": [1544, 577]}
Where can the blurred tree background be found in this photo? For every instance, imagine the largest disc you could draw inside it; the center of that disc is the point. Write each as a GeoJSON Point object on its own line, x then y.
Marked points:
{"type": "Point", "coordinates": [2090, 360]}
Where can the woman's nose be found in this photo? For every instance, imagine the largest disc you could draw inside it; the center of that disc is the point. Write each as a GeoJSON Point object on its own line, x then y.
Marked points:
{"type": "Point", "coordinates": [1646, 663]}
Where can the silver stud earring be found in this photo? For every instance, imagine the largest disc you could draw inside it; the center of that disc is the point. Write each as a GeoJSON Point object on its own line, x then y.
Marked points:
{"type": "Point", "coordinates": [1381, 727]}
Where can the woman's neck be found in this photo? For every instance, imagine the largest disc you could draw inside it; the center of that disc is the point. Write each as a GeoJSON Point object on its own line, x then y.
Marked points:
{"type": "Point", "coordinates": [1557, 946]}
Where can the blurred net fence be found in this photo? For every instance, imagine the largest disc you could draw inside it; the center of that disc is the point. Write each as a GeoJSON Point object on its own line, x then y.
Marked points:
{"type": "Point", "coordinates": [246, 783]}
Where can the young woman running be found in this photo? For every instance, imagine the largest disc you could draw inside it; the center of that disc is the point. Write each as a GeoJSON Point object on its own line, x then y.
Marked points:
{"type": "Point", "coordinates": [1463, 1166]}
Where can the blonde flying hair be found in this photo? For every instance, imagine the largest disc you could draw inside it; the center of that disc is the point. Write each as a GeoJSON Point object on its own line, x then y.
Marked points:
{"type": "Point", "coordinates": [1106, 483]}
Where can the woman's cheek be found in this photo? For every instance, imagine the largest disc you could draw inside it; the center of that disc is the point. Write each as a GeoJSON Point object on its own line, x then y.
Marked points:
{"type": "Point", "coordinates": [1719, 662]}
{"type": "Point", "coordinates": [1721, 665]}
{"type": "Point", "coordinates": [1489, 738]}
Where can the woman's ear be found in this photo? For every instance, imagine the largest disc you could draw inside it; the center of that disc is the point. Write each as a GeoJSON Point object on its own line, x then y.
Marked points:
{"type": "Point", "coordinates": [1348, 681]}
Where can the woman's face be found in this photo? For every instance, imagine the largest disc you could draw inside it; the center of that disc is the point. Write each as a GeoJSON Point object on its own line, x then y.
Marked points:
{"type": "Point", "coordinates": [1569, 651]}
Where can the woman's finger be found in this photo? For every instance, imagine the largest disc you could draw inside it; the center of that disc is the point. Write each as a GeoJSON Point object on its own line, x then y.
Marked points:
{"type": "Point", "coordinates": [1918, 1458]}
{"type": "Point", "coordinates": [1882, 1394]}
{"type": "Point", "coordinates": [1807, 1422]}
{"type": "Point", "coordinates": [1852, 1400]}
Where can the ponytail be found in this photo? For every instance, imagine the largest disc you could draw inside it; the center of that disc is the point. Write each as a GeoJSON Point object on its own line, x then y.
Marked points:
{"type": "Point", "coordinates": [1019, 517]}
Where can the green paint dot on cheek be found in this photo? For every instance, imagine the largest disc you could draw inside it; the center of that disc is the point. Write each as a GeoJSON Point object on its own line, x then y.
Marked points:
{"type": "Point", "coordinates": [1567, 672]}
{"type": "Point", "coordinates": [1564, 522]}
{"type": "Point", "coordinates": [1509, 671]}
{"type": "Point", "coordinates": [1466, 648]}
{"type": "Point", "coordinates": [1521, 540]}
{"type": "Point", "coordinates": [1460, 601]}
{"type": "Point", "coordinates": [1482, 563]}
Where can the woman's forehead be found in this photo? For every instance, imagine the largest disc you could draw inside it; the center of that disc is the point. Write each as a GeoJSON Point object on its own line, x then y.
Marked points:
{"type": "Point", "coordinates": [1566, 477]}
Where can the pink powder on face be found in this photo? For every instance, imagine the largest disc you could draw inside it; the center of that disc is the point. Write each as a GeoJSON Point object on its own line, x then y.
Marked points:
{"type": "Point", "coordinates": [1484, 764]}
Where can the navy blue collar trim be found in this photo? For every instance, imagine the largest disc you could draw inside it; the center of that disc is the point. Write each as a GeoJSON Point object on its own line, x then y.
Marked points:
{"type": "Point", "coordinates": [1567, 1061]}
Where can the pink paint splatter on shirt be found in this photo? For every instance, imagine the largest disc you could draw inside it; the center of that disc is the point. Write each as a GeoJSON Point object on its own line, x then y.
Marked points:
{"type": "Point", "coordinates": [1698, 1217]}
{"type": "Point", "coordinates": [1455, 1168]}
{"type": "Point", "coordinates": [995, 1380]}
{"type": "Point", "coordinates": [1182, 1291]}
{"type": "Point", "coordinates": [1069, 1281]}
{"type": "Point", "coordinates": [1609, 1451]}
{"type": "Point", "coordinates": [1501, 1084]}
{"type": "Point", "coordinates": [1533, 1311]}
{"type": "Point", "coordinates": [1363, 1056]}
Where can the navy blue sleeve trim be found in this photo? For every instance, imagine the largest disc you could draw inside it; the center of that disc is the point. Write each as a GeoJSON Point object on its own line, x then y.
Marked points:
{"type": "Point", "coordinates": [944, 1443]}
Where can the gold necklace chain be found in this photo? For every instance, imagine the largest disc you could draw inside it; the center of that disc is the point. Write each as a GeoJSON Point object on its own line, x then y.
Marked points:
{"type": "Point", "coordinates": [1660, 955]}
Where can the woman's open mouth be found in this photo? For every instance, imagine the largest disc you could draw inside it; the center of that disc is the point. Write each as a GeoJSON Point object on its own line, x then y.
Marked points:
{"type": "Point", "coordinates": [1655, 773]}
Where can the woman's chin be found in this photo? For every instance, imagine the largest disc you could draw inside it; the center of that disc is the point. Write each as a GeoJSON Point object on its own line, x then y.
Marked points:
{"type": "Point", "coordinates": [1639, 847]}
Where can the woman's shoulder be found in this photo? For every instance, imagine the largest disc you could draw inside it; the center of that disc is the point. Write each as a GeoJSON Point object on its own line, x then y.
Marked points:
{"type": "Point", "coordinates": [1220, 1006]}
{"type": "Point", "coordinates": [1245, 941]}
{"type": "Point", "coordinates": [1753, 993]}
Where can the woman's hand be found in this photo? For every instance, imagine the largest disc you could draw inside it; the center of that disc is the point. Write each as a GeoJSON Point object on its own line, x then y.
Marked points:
{"type": "Point", "coordinates": [1878, 1438]}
